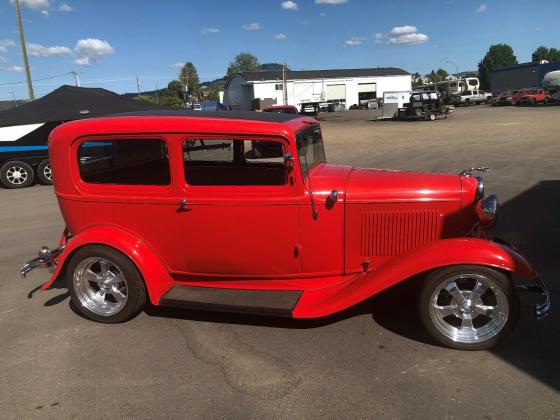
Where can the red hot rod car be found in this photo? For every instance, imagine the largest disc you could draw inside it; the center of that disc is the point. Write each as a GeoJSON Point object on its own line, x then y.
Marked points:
{"type": "Point", "coordinates": [241, 212]}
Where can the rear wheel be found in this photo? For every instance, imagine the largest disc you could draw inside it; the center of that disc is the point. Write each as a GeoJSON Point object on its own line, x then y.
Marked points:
{"type": "Point", "coordinates": [468, 307]}
{"type": "Point", "coordinates": [467, 102]}
{"type": "Point", "coordinates": [16, 174]}
{"type": "Point", "coordinates": [44, 172]}
{"type": "Point", "coordinates": [105, 286]}
{"type": "Point", "coordinates": [432, 116]}
{"type": "Point", "coordinates": [418, 112]}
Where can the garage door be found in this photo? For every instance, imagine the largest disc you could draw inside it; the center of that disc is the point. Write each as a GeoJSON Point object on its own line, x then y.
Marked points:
{"type": "Point", "coordinates": [336, 92]}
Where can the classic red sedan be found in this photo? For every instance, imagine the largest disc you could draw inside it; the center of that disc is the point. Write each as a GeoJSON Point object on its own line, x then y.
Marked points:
{"type": "Point", "coordinates": [241, 212]}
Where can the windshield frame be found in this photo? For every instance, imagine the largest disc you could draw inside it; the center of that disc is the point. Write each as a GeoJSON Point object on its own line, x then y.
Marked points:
{"type": "Point", "coordinates": [306, 165]}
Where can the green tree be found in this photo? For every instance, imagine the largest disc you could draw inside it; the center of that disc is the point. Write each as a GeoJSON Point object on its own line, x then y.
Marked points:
{"type": "Point", "coordinates": [551, 55]}
{"type": "Point", "coordinates": [242, 63]}
{"type": "Point", "coordinates": [437, 75]}
{"type": "Point", "coordinates": [541, 53]}
{"type": "Point", "coordinates": [171, 101]}
{"type": "Point", "coordinates": [189, 78]}
{"type": "Point", "coordinates": [499, 55]}
{"type": "Point", "coordinates": [146, 98]}
{"type": "Point", "coordinates": [174, 88]}
{"type": "Point", "coordinates": [214, 91]}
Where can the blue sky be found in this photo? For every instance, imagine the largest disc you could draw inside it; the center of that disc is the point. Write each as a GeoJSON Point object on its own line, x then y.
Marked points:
{"type": "Point", "coordinates": [111, 42]}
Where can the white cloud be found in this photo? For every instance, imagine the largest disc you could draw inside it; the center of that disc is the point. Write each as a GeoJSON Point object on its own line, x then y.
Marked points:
{"type": "Point", "coordinates": [322, 14]}
{"type": "Point", "coordinates": [65, 7]}
{"type": "Point", "coordinates": [255, 26]}
{"type": "Point", "coordinates": [377, 38]}
{"type": "Point", "coordinates": [404, 35]}
{"type": "Point", "coordinates": [45, 13]}
{"type": "Point", "coordinates": [205, 31]}
{"type": "Point", "coordinates": [178, 65]}
{"type": "Point", "coordinates": [34, 4]}
{"type": "Point", "coordinates": [402, 30]}
{"type": "Point", "coordinates": [331, 1]}
{"type": "Point", "coordinates": [354, 42]}
{"type": "Point", "coordinates": [37, 50]}
{"type": "Point", "coordinates": [482, 8]}
{"type": "Point", "coordinates": [280, 37]}
{"type": "Point", "coordinates": [17, 69]}
{"type": "Point", "coordinates": [289, 5]}
{"type": "Point", "coordinates": [91, 50]}
{"type": "Point", "coordinates": [3, 60]}
{"type": "Point", "coordinates": [5, 44]}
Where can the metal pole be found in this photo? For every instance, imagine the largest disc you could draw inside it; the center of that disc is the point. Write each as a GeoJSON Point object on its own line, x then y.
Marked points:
{"type": "Point", "coordinates": [456, 67]}
{"type": "Point", "coordinates": [24, 53]}
{"type": "Point", "coordinates": [284, 87]}
{"type": "Point", "coordinates": [138, 85]}
{"type": "Point", "coordinates": [14, 96]}
{"type": "Point", "coordinates": [76, 78]}
{"type": "Point", "coordinates": [157, 98]}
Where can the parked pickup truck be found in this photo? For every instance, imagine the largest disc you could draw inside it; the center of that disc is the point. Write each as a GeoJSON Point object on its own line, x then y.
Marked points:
{"type": "Point", "coordinates": [474, 97]}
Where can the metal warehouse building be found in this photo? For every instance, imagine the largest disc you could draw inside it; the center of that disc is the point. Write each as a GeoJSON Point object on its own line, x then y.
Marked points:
{"type": "Point", "coordinates": [521, 76]}
{"type": "Point", "coordinates": [348, 86]}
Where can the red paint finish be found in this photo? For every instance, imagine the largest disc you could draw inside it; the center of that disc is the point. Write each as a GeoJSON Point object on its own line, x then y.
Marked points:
{"type": "Point", "coordinates": [381, 228]}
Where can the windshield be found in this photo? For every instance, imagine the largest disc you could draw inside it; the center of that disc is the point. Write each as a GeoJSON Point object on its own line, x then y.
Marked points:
{"type": "Point", "coordinates": [310, 149]}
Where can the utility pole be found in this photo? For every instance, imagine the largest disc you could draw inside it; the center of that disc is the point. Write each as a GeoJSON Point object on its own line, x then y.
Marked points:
{"type": "Point", "coordinates": [157, 97]}
{"type": "Point", "coordinates": [138, 85]}
{"type": "Point", "coordinates": [284, 87]}
{"type": "Point", "coordinates": [24, 53]}
{"type": "Point", "coordinates": [76, 78]}
{"type": "Point", "coordinates": [14, 96]}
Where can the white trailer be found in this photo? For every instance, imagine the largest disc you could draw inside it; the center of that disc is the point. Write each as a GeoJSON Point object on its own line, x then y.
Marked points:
{"type": "Point", "coordinates": [392, 101]}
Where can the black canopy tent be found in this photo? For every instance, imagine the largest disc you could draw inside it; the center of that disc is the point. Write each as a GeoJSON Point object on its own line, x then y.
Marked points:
{"type": "Point", "coordinates": [24, 130]}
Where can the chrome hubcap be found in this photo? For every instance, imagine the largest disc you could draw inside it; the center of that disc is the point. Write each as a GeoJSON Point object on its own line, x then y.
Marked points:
{"type": "Point", "coordinates": [100, 286]}
{"type": "Point", "coordinates": [47, 172]}
{"type": "Point", "coordinates": [469, 308]}
{"type": "Point", "coordinates": [16, 175]}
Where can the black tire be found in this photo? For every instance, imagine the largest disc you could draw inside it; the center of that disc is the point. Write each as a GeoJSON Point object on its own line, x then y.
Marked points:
{"type": "Point", "coordinates": [135, 288]}
{"type": "Point", "coordinates": [16, 174]}
{"type": "Point", "coordinates": [418, 112]}
{"type": "Point", "coordinates": [467, 102]}
{"type": "Point", "coordinates": [432, 116]}
{"type": "Point", "coordinates": [499, 287]}
{"type": "Point", "coordinates": [44, 173]}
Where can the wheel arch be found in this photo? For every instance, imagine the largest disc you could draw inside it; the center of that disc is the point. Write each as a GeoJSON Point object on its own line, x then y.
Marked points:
{"type": "Point", "coordinates": [150, 266]}
{"type": "Point", "coordinates": [436, 255]}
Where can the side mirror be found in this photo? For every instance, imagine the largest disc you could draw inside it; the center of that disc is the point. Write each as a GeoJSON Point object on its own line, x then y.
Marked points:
{"type": "Point", "coordinates": [289, 161]}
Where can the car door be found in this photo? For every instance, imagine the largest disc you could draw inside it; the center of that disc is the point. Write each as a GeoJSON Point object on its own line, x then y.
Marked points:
{"type": "Point", "coordinates": [240, 217]}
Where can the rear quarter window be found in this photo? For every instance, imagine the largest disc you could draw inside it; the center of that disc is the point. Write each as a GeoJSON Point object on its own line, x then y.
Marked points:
{"type": "Point", "coordinates": [124, 162]}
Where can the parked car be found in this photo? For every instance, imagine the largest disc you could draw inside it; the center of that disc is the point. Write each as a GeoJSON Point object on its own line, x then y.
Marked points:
{"type": "Point", "coordinates": [281, 109]}
{"type": "Point", "coordinates": [179, 209]}
{"type": "Point", "coordinates": [468, 97]}
{"type": "Point", "coordinates": [534, 96]}
{"type": "Point", "coordinates": [504, 98]}
{"type": "Point", "coordinates": [336, 106]}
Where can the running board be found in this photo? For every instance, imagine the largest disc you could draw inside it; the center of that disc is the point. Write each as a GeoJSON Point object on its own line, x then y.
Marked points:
{"type": "Point", "coordinates": [262, 302]}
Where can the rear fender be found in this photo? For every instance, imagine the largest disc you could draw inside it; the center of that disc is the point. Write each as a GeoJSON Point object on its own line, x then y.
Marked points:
{"type": "Point", "coordinates": [153, 271]}
{"type": "Point", "coordinates": [447, 252]}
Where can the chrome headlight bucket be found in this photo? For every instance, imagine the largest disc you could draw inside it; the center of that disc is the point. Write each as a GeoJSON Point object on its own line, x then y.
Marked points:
{"type": "Point", "coordinates": [479, 188]}
{"type": "Point", "coordinates": [487, 209]}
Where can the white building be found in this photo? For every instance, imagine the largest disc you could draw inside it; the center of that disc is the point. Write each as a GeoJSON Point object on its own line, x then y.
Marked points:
{"type": "Point", "coordinates": [349, 86]}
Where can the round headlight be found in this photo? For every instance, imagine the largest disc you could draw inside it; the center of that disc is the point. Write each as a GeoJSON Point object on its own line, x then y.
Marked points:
{"type": "Point", "coordinates": [487, 209]}
{"type": "Point", "coordinates": [479, 188]}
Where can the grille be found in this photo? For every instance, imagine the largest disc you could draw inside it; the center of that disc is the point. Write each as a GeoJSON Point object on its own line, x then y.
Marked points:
{"type": "Point", "coordinates": [388, 233]}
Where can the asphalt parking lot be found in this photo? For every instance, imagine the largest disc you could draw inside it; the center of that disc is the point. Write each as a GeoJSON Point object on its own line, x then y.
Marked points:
{"type": "Point", "coordinates": [373, 361]}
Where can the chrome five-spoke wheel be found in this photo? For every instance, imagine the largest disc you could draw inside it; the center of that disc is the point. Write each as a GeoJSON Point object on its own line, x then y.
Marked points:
{"type": "Point", "coordinates": [468, 307]}
{"type": "Point", "coordinates": [100, 286]}
{"type": "Point", "coordinates": [105, 285]}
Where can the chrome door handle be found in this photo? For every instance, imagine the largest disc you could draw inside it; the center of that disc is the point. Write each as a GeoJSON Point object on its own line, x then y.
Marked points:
{"type": "Point", "coordinates": [183, 204]}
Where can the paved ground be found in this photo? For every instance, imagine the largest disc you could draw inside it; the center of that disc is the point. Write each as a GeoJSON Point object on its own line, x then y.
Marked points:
{"type": "Point", "coordinates": [373, 361]}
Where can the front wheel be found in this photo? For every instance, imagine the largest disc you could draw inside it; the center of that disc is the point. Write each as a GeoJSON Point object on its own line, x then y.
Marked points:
{"type": "Point", "coordinates": [432, 116]}
{"type": "Point", "coordinates": [105, 286]}
{"type": "Point", "coordinates": [468, 307]}
{"type": "Point", "coordinates": [44, 172]}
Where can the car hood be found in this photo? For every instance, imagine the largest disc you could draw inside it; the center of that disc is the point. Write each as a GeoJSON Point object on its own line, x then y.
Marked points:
{"type": "Point", "coordinates": [378, 185]}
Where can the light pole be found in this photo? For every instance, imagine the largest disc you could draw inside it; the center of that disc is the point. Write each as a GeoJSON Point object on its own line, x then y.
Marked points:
{"type": "Point", "coordinates": [14, 96]}
{"type": "Point", "coordinates": [24, 53]}
{"type": "Point", "coordinates": [456, 67]}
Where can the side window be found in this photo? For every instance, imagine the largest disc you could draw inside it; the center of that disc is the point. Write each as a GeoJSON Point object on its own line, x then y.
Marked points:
{"type": "Point", "coordinates": [124, 162]}
{"type": "Point", "coordinates": [233, 162]}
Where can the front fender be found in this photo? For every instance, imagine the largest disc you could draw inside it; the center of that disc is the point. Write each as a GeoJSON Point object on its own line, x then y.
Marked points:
{"type": "Point", "coordinates": [442, 253]}
{"type": "Point", "coordinates": [153, 271]}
